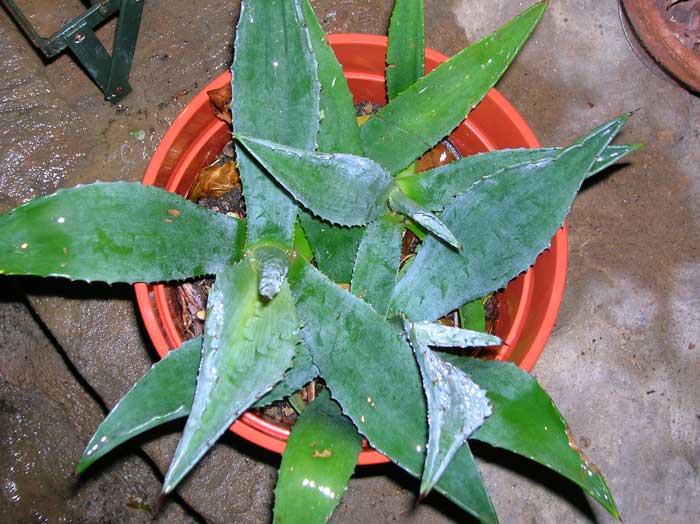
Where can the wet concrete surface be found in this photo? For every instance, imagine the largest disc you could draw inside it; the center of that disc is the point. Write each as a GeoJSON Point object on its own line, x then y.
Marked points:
{"type": "Point", "coordinates": [623, 361]}
{"type": "Point", "coordinates": [46, 418]}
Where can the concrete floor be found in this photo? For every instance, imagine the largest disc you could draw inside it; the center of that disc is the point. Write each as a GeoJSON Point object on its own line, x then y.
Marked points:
{"type": "Point", "coordinates": [622, 363]}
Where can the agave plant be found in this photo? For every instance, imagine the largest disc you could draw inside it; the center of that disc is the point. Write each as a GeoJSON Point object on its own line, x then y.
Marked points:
{"type": "Point", "coordinates": [276, 316]}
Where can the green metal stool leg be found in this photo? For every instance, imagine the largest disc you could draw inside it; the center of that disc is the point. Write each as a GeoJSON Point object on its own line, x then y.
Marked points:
{"type": "Point", "coordinates": [124, 46]}
{"type": "Point", "coordinates": [91, 54]}
{"type": "Point", "coordinates": [110, 73]}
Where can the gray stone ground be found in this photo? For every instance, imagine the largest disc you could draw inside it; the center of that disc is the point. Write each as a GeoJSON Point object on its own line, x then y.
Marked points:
{"type": "Point", "coordinates": [622, 364]}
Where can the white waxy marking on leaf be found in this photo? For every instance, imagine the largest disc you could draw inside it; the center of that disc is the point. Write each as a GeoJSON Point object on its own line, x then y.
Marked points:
{"type": "Point", "coordinates": [456, 407]}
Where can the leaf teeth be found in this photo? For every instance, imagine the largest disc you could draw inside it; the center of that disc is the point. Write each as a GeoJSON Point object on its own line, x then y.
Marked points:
{"type": "Point", "coordinates": [344, 189]}
{"type": "Point", "coordinates": [238, 327]}
{"type": "Point", "coordinates": [84, 234]}
{"type": "Point", "coordinates": [456, 406]}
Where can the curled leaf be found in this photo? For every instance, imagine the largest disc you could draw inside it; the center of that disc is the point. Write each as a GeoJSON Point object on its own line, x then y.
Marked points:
{"type": "Point", "coordinates": [215, 181]}
{"type": "Point", "coordinates": [441, 336]}
{"type": "Point", "coordinates": [220, 100]}
{"type": "Point", "coordinates": [456, 408]}
{"type": "Point", "coordinates": [400, 203]}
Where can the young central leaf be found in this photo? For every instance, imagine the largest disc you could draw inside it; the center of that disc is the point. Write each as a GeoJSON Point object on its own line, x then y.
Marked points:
{"type": "Point", "coordinates": [273, 264]}
{"type": "Point", "coordinates": [320, 456]}
{"type": "Point", "coordinates": [456, 407]}
{"type": "Point", "coordinates": [344, 189]}
{"type": "Point", "coordinates": [248, 345]}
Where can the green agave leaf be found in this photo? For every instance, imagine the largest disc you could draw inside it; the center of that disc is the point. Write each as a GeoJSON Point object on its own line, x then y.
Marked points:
{"type": "Point", "coordinates": [456, 407]}
{"type": "Point", "coordinates": [504, 222]}
{"type": "Point", "coordinates": [610, 155]}
{"type": "Point", "coordinates": [473, 316]}
{"type": "Point", "coordinates": [372, 372]}
{"type": "Point", "coordinates": [163, 394]}
{"type": "Point", "coordinates": [526, 421]}
{"type": "Point", "coordinates": [117, 232]}
{"type": "Point", "coordinates": [317, 463]}
{"type": "Point", "coordinates": [334, 247]}
{"type": "Point", "coordinates": [166, 391]}
{"type": "Point", "coordinates": [338, 130]}
{"type": "Point", "coordinates": [438, 335]}
{"type": "Point", "coordinates": [276, 97]}
{"type": "Point", "coordinates": [301, 243]}
{"type": "Point", "coordinates": [377, 262]}
{"type": "Point", "coordinates": [248, 345]}
{"type": "Point", "coordinates": [436, 188]}
{"type": "Point", "coordinates": [344, 189]}
{"type": "Point", "coordinates": [404, 205]}
{"type": "Point", "coordinates": [405, 53]}
{"type": "Point", "coordinates": [427, 111]}
{"type": "Point", "coordinates": [302, 372]}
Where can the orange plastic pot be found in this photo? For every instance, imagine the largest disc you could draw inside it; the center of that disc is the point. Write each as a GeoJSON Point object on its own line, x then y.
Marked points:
{"type": "Point", "coordinates": [527, 308]}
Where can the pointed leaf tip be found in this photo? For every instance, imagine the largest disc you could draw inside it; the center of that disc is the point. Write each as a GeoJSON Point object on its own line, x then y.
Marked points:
{"type": "Point", "coordinates": [163, 394]}
{"type": "Point", "coordinates": [456, 408]}
{"type": "Point", "coordinates": [378, 384]}
{"type": "Point", "coordinates": [438, 335]}
{"type": "Point", "coordinates": [432, 107]}
{"type": "Point", "coordinates": [400, 203]}
{"type": "Point", "coordinates": [343, 189]}
{"type": "Point", "coordinates": [249, 344]}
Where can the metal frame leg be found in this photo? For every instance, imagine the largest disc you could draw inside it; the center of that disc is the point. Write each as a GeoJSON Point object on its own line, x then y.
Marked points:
{"type": "Point", "coordinates": [110, 73]}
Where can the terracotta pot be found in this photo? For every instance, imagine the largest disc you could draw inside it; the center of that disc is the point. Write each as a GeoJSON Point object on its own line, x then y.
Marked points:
{"type": "Point", "coordinates": [527, 308]}
{"type": "Point", "coordinates": [669, 33]}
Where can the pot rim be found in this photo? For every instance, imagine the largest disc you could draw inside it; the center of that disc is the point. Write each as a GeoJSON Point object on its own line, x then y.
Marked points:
{"type": "Point", "coordinates": [161, 328]}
